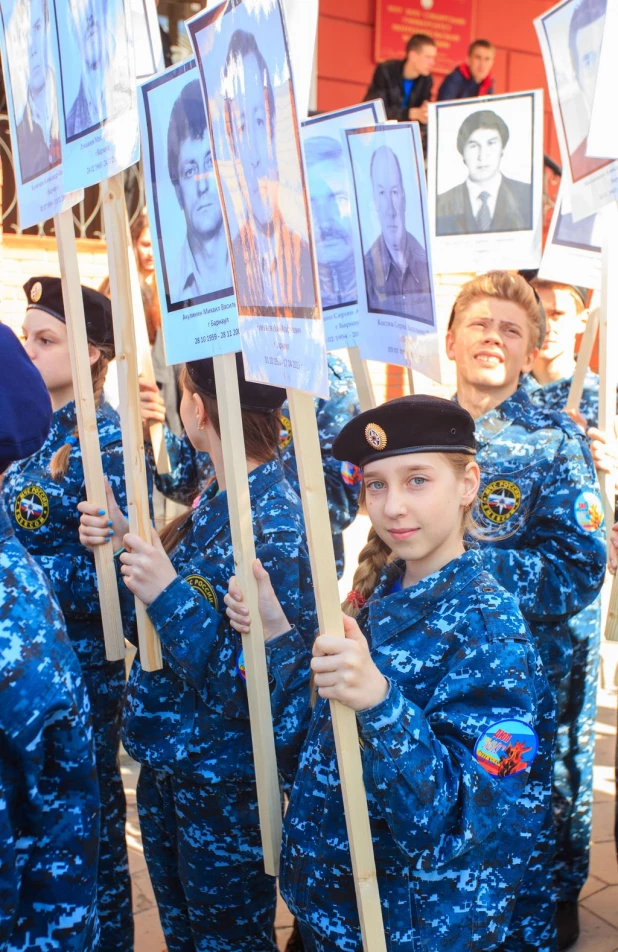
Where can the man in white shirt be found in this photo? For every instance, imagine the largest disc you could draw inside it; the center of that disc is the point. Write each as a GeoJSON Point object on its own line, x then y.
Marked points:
{"type": "Point", "coordinates": [487, 200]}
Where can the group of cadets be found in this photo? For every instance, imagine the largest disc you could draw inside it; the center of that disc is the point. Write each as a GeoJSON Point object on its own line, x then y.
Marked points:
{"type": "Point", "coordinates": [470, 657]}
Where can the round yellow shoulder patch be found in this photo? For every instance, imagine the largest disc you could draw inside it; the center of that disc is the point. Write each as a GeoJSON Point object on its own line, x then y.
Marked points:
{"type": "Point", "coordinates": [31, 508]}
{"type": "Point", "coordinates": [500, 500]}
{"type": "Point", "coordinates": [203, 586]}
{"type": "Point", "coordinates": [285, 435]}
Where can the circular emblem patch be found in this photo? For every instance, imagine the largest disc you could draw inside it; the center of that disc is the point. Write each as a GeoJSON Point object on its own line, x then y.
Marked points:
{"type": "Point", "coordinates": [203, 586]}
{"type": "Point", "coordinates": [375, 436]}
{"type": "Point", "coordinates": [32, 508]}
{"type": "Point", "coordinates": [506, 748]}
{"type": "Point", "coordinates": [351, 474]}
{"type": "Point", "coordinates": [285, 435]}
{"type": "Point", "coordinates": [589, 511]}
{"type": "Point", "coordinates": [36, 292]}
{"type": "Point", "coordinates": [500, 500]}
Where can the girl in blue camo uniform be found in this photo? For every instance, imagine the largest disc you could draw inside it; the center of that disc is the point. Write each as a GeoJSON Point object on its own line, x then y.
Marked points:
{"type": "Point", "coordinates": [188, 723]}
{"type": "Point", "coordinates": [41, 495]}
{"type": "Point", "coordinates": [454, 714]}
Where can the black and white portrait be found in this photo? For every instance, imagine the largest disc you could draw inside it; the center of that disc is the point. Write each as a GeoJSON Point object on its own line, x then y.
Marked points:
{"type": "Point", "coordinates": [494, 194]}
{"type": "Point", "coordinates": [255, 135]}
{"type": "Point", "coordinates": [391, 214]}
{"type": "Point", "coordinates": [33, 84]}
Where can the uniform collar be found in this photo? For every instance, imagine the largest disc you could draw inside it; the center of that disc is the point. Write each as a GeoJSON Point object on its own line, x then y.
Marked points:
{"type": "Point", "coordinates": [513, 409]}
{"type": "Point", "coordinates": [6, 529]}
{"type": "Point", "coordinates": [389, 614]}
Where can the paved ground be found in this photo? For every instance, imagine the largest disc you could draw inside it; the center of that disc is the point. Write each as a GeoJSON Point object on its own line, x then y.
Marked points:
{"type": "Point", "coordinates": [599, 901]}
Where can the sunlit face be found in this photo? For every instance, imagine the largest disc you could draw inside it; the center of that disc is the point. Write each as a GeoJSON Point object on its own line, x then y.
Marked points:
{"type": "Point", "coordinates": [415, 503]}
{"type": "Point", "coordinates": [330, 204]}
{"type": "Point", "coordinates": [482, 155]}
{"type": "Point", "coordinates": [143, 248]}
{"type": "Point", "coordinates": [256, 160]}
{"type": "Point", "coordinates": [588, 44]}
{"type": "Point", "coordinates": [423, 60]}
{"type": "Point", "coordinates": [37, 46]}
{"type": "Point", "coordinates": [45, 341]}
{"type": "Point", "coordinates": [491, 344]}
{"type": "Point", "coordinates": [197, 189]}
{"type": "Point", "coordinates": [563, 323]}
{"type": "Point", "coordinates": [390, 200]}
{"type": "Point", "coordinates": [480, 62]}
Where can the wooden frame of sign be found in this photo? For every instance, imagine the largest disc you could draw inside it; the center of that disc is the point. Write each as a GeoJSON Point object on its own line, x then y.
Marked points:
{"type": "Point", "coordinates": [322, 556]}
{"type": "Point", "coordinates": [589, 336]}
{"type": "Point", "coordinates": [608, 374]}
{"type": "Point", "coordinates": [118, 252]}
{"type": "Point", "coordinates": [362, 378]}
{"type": "Point", "coordinates": [87, 428]}
{"type": "Point", "coordinates": [256, 671]}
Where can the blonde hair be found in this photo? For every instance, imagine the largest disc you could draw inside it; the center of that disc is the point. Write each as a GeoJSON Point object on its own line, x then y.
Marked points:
{"type": "Point", "coordinates": [542, 285]}
{"type": "Point", "coordinates": [59, 462]}
{"type": "Point", "coordinates": [376, 554]}
{"type": "Point", "coordinates": [503, 286]}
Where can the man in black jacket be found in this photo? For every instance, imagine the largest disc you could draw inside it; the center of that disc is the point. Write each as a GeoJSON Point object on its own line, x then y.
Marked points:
{"type": "Point", "coordinates": [404, 86]}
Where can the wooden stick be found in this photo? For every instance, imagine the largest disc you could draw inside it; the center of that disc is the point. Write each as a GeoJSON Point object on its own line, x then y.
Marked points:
{"type": "Point", "coordinates": [411, 381]}
{"type": "Point", "coordinates": [144, 362]}
{"type": "Point", "coordinates": [118, 252]}
{"type": "Point", "coordinates": [319, 536]}
{"type": "Point", "coordinates": [608, 374]}
{"type": "Point", "coordinates": [364, 385]}
{"type": "Point", "coordinates": [87, 427]}
{"type": "Point", "coordinates": [258, 692]}
{"type": "Point", "coordinates": [576, 390]}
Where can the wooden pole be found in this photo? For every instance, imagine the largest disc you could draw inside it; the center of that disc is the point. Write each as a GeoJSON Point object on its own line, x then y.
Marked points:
{"type": "Point", "coordinates": [119, 252]}
{"type": "Point", "coordinates": [362, 377]}
{"type": "Point", "coordinates": [319, 536]}
{"type": "Point", "coordinates": [87, 427]}
{"type": "Point", "coordinates": [576, 390]}
{"type": "Point", "coordinates": [258, 692]}
{"type": "Point", "coordinates": [411, 381]}
{"type": "Point", "coordinates": [608, 377]}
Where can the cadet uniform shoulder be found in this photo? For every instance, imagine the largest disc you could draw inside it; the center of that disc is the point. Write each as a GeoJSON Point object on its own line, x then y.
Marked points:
{"type": "Point", "coordinates": [499, 609]}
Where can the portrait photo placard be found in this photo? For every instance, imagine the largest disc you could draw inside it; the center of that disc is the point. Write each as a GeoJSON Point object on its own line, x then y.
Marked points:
{"type": "Point", "coordinates": [98, 95]}
{"type": "Point", "coordinates": [394, 275]}
{"type": "Point", "coordinates": [572, 252]}
{"type": "Point", "coordinates": [147, 46]}
{"type": "Point", "coordinates": [331, 194]}
{"type": "Point", "coordinates": [30, 64]}
{"type": "Point", "coordinates": [242, 53]}
{"type": "Point", "coordinates": [485, 182]}
{"type": "Point", "coordinates": [570, 36]}
{"type": "Point", "coordinates": [603, 135]}
{"type": "Point", "coordinates": [189, 242]}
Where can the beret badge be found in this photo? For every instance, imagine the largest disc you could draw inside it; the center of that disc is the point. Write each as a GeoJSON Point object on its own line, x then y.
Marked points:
{"type": "Point", "coordinates": [375, 436]}
{"type": "Point", "coordinates": [36, 291]}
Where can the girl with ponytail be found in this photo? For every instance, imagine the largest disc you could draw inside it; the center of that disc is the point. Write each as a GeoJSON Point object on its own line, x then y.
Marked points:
{"type": "Point", "coordinates": [41, 495]}
{"type": "Point", "coordinates": [188, 723]}
{"type": "Point", "coordinates": [454, 715]}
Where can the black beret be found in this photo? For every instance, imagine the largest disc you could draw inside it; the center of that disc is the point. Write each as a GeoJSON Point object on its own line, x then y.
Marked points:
{"type": "Point", "coordinates": [483, 119]}
{"type": "Point", "coordinates": [45, 293]}
{"type": "Point", "coordinates": [415, 424]}
{"type": "Point", "coordinates": [25, 407]}
{"type": "Point", "coordinates": [259, 397]}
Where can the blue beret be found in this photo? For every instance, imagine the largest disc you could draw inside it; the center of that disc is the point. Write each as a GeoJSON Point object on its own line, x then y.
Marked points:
{"type": "Point", "coordinates": [415, 424]}
{"type": "Point", "coordinates": [25, 407]}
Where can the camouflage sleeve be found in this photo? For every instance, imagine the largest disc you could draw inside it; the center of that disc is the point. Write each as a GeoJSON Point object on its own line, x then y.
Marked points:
{"type": "Point", "coordinates": [342, 487]}
{"type": "Point", "coordinates": [189, 469]}
{"type": "Point", "coordinates": [289, 657]}
{"type": "Point", "coordinates": [561, 567]}
{"type": "Point", "coordinates": [420, 765]}
{"type": "Point", "coordinates": [10, 874]}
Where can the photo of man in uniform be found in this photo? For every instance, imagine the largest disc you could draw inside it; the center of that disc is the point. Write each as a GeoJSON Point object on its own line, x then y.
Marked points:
{"type": "Point", "coordinates": [396, 268]}
{"type": "Point", "coordinates": [487, 201]}
{"type": "Point", "coordinates": [38, 141]}
{"type": "Point", "coordinates": [272, 263]}
{"type": "Point", "coordinates": [330, 206]}
{"type": "Point", "coordinates": [203, 265]}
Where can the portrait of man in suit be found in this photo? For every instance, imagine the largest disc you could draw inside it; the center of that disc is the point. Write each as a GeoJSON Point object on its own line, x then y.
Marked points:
{"type": "Point", "coordinates": [396, 266]}
{"type": "Point", "coordinates": [202, 265]}
{"type": "Point", "coordinates": [585, 36]}
{"type": "Point", "coordinates": [487, 201]}
{"type": "Point", "coordinates": [272, 262]}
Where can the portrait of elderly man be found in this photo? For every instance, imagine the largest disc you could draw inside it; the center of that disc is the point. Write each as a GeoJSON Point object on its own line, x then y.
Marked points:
{"type": "Point", "coordinates": [585, 36]}
{"type": "Point", "coordinates": [273, 264]}
{"type": "Point", "coordinates": [38, 140]}
{"type": "Point", "coordinates": [330, 206]}
{"type": "Point", "coordinates": [487, 200]}
{"type": "Point", "coordinates": [396, 267]}
{"type": "Point", "coordinates": [203, 265]}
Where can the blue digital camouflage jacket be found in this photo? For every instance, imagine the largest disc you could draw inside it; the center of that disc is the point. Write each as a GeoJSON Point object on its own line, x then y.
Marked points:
{"type": "Point", "coordinates": [190, 469]}
{"type": "Point", "coordinates": [192, 715]}
{"type": "Point", "coordinates": [540, 519]}
{"type": "Point", "coordinates": [453, 821]}
{"type": "Point", "coordinates": [45, 518]}
{"type": "Point", "coordinates": [554, 395]}
{"type": "Point", "coordinates": [49, 796]}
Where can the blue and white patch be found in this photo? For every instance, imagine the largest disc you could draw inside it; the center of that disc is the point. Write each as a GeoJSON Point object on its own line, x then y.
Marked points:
{"type": "Point", "coordinates": [588, 511]}
{"type": "Point", "coordinates": [507, 748]}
